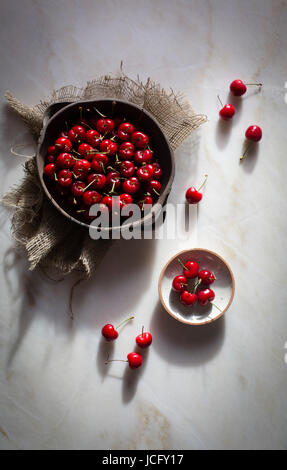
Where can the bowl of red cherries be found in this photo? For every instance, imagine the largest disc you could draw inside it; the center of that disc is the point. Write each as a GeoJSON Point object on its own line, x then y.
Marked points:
{"type": "Point", "coordinates": [196, 286]}
{"type": "Point", "coordinates": [105, 152]}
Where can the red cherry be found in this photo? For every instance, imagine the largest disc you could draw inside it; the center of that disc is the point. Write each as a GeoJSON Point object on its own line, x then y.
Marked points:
{"type": "Point", "coordinates": [51, 158]}
{"type": "Point", "coordinates": [147, 201]}
{"type": "Point", "coordinates": [131, 186]}
{"type": "Point", "coordinates": [206, 277]}
{"type": "Point", "coordinates": [238, 88]}
{"type": "Point", "coordinates": [91, 197]}
{"type": "Point", "coordinates": [127, 168]}
{"type": "Point", "coordinates": [65, 160]}
{"type": "Point", "coordinates": [65, 178]}
{"type": "Point", "coordinates": [157, 173]}
{"type": "Point", "coordinates": [113, 180]}
{"type": "Point", "coordinates": [205, 296]}
{"type": "Point", "coordinates": [98, 181]}
{"type": "Point", "coordinates": [108, 201]}
{"type": "Point", "coordinates": [87, 151]}
{"type": "Point", "coordinates": [143, 156]}
{"type": "Point", "coordinates": [144, 340]}
{"type": "Point", "coordinates": [190, 269]}
{"type": "Point", "coordinates": [99, 163]}
{"type": "Point", "coordinates": [125, 130]}
{"type": "Point", "coordinates": [123, 200]}
{"type": "Point", "coordinates": [78, 188]}
{"type": "Point", "coordinates": [188, 298]}
{"type": "Point", "coordinates": [154, 186]}
{"type": "Point", "coordinates": [110, 332]}
{"type": "Point", "coordinates": [81, 168]}
{"type": "Point", "coordinates": [179, 283]}
{"type": "Point", "coordinates": [227, 112]}
{"type": "Point", "coordinates": [192, 195]}
{"type": "Point", "coordinates": [135, 360]}
{"type": "Point", "coordinates": [63, 144]}
{"type": "Point", "coordinates": [49, 171]}
{"type": "Point", "coordinates": [105, 125]}
{"type": "Point", "coordinates": [52, 150]}
{"type": "Point", "coordinates": [253, 133]}
{"type": "Point", "coordinates": [93, 138]}
{"type": "Point", "coordinates": [109, 147]}
{"type": "Point", "coordinates": [139, 139]}
{"type": "Point", "coordinates": [145, 173]}
{"type": "Point", "coordinates": [126, 151]}
{"type": "Point", "coordinates": [77, 134]}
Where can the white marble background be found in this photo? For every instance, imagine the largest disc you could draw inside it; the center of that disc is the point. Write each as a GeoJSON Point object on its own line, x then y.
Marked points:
{"type": "Point", "coordinates": [220, 386]}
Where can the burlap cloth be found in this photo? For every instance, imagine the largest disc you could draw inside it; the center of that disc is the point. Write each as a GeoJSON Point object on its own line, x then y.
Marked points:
{"type": "Point", "coordinates": [51, 241]}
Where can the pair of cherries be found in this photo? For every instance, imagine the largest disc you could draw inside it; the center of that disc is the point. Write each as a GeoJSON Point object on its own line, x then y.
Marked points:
{"type": "Point", "coordinates": [238, 88]}
{"type": "Point", "coordinates": [143, 340]}
{"type": "Point", "coordinates": [205, 278]}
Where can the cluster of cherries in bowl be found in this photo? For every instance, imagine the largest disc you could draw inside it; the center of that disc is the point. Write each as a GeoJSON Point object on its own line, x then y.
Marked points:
{"type": "Point", "coordinates": [201, 291]}
{"type": "Point", "coordinates": [102, 161]}
{"type": "Point", "coordinates": [143, 341]}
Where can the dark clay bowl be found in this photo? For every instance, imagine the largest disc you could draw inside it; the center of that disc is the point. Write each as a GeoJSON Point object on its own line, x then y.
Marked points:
{"type": "Point", "coordinates": [55, 120]}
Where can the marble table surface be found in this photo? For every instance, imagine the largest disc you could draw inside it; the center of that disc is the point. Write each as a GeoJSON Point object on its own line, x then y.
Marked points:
{"type": "Point", "coordinates": [218, 386]}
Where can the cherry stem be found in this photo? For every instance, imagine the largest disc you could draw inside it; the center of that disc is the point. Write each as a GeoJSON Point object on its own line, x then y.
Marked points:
{"type": "Point", "coordinates": [197, 284]}
{"type": "Point", "coordinates": [114, 360]}
{"type": "Point", "coordinates": [99, 112]}
{"type": "Point", "coordinates": [219, 100]}
{"type": "Point", "coordinates": [245, 152]}
{"type": "Point", "coordinates": [216, 306]}
{"type": "Point", "coordinates": [90, 184]}
{"type": "Point", "coordinates": [206, 176]}
{"type": "Point", "coordinates": [81, 113]}
{"type": "Point", "coordinates": [253, 84]}
{"type": "Point", "coordinates": [184, 267]}
{"type": "Point", "coordinates": [142, 330]}
{"type": "Point", "coordinates": [124, 321]}
{"type": "Point", "coordinates": [156, 192]}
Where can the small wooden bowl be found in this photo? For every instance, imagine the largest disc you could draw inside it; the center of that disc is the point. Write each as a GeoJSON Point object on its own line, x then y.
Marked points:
{"type": "Point", "coordinates": [223, 287]}
{"type": "Point", "coordinates": [58, 114]}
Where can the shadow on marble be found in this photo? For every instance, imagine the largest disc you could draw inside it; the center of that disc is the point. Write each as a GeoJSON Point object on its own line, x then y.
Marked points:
{"type": "Point", "coordinates": [132, 377]}
{"type": "Point", "coordinates": [184, 344]}
{"type": "Point", "coordinates": [222, 133]}
{"type": "Point", "coordinates": [105, 351]}
{"type": "Point", "coordinates": [250, 160]}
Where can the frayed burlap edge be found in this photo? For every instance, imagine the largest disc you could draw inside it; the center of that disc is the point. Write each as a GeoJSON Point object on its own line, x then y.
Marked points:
{"type": "Point", "coordinates": [50, 240]}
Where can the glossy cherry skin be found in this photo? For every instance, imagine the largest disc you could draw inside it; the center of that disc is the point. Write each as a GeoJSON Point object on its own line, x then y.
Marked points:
{"type": "Point", "coordinates": [91, 197]}
{"type": "Point", "coordinates": [81, 168]}
{"type": "Point", "coordinates": [135, 360]}
{"type": "Point", "coordinates": [191, 269]}
{"type": "Point", "coordinates": [93, 138]}
{"type": "Point", "coordinates": [179, 283]}
{"type": "Point", "coordinates": [154, 186]}
{"type": "Point", "coordinates": [237, 87]}
{"type": "Point", "coordinates": [139, 139]}
{"type": "Point", "coordinates": [63, 144]}
{"type": "Point", "coordinates": [87, 151]}
{"type": "Point", "coordinates": [113, 179]}
{"type": "Point", "coordinates": [157, 173]}
{"type": "Point", "coordinates": [193, 196]}
{"type": "Point", "coordinates": [125, 130]}
{"type": "Point", "coordinates": [99, 163]}
{"type": "Point", "coordinates": [108, 201]}
{"type": "Point", "coordinates": [109, 147]}
{"type": "Point", "coordinates": [52, 150]}
{"type": "Point", "coordinates": [253, 133]}
{"type": "Point", "coordinates": [65, 160]}
{"type": "Point", "coordinates": [98, 181]}
{"type": "Point", "coordinates": [77, 134]}
{"type": "Point", "coordinates": [109, 332]}
{"type": "Point", "coordinates": [105, 125]}
{"type": "Point", "coordinates": [131, 186]}
{"type": "Point", "coordinates": [127, 169]}
{"type": "Point", "coordinates": [145, 173]}
{"type": "Point", "coordinates": [123, 200]}
{"type": "Point", "coordinates": [188, 298]}
{"type": "Point", "coordinates": [126, 151]}
{"type": "Point", "coordinates": [51, 158]}
{"type": "Point", "coordinates": [49, 171]}
{"type": "Point", "coordinates": [205, 296]}
{"type": "Point", "coordinates": [78, 188]}
{"type": "Point", "coordinates": [143, 156]}
{"type": "Point", "coordinates": [147, 201]}
{"type": "Point", "coordinates": [65, 178]}
{"type": "Point", "coordinates": [227, 112]}
{"type": "Point", "coordinates": [206, 277]}
{"type": "Point", "coordinates": [144, 340]}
